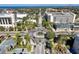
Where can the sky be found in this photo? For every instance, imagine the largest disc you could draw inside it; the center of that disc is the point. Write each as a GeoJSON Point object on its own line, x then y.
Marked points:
{"type": "Point", "coordinates": [34, 5]}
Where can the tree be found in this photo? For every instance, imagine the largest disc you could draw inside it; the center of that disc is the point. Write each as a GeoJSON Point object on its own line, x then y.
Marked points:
{"type": "Point", "coordinates": [45, 23]}
{"type": "Point", "coordinates": [33, 25]}
{"type": "Point", "coordinates": [23, 27]}
{"type": "Point", "coordinates": [46, 17]}
{"type": "Point", "coordinates": [2, 28]}
{"type": "Point", "coordinates": [15, 28]}
{"type": "Point", "coordinates": [19, 28]}
{"type": "Point", "coordinates": [63, 38]}
{"type": "Point", "coordinates": [54, 26]}
{"type": "Point", "coordinates": [10, 28]}
{"type": "Point", "coordinates": [50, 35]}
{"type": "Point", "coordinates": [18, 39]}
{"type": "Point", "coordinates": [27, 38]}
{"type": "Point", "coordinates": [8, 35]}
{"type": "Point", "coordinates": [68, 47]}
{"type": "Point", "coordinates": [0, 40]}
{"type": "Point", "coordinates": [59, 48]}
{"type": "Point", "coordinates": [25, 18]}
{"type": "Point", "coordinates": [51, 44]}
{"type": "Point", "coordinates": [30, 25]}
{"type": "Point", "coordinates": [29, 47]}
{"type": "Point", "coordinates": [19, 24]}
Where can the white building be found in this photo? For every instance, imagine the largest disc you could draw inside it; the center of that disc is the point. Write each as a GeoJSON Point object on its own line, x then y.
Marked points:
{"type": "Point", "coordinates": [76, 25]}
{"type": "Point", "coordinates": [63, 20]}
{"type": "Point", "coordinates": [32, 20]}
{"type": "Point", "coordinates": [61, 17]}
{"type": "Point", "coordinates": [8, 19]}
{"type": "Point", "coordinates": [20, 16]}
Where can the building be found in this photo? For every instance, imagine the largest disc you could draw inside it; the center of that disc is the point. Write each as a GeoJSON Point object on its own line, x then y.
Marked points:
{"type": "Point", "coordinates": [76, 43]}
{"type": "Point", "coordinates": [62, 20]}
{"type": "Point", "coordinates": [76, 25]}
{"type": "Point", "coordinates": [61, 17]}
{"type": "Point", "coordinates": [32, 20]}
{"type": "Point", "coordinates": [19, 16]}
{"type": "Point", "coordinates": [9, 19]}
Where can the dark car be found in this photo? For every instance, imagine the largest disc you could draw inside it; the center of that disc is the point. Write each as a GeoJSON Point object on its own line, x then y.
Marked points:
{"type": "Point", "coordinates": [48, 45]}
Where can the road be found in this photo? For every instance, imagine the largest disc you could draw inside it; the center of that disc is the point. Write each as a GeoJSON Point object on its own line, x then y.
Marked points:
{"type": "Point", "coordinates": [40, 46]}
{"type": "Point", "coordinates": [39, 49]}
{"type": "Point", "coordinates": [64, 32]}
{"type": "Point", "coordinates": [13, 33]}
{"type": "Point", "coordinates": [6, 44]}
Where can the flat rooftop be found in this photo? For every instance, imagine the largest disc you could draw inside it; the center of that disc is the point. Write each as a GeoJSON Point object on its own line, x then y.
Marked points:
{"type": "Point", "coordinates": [61, 13]}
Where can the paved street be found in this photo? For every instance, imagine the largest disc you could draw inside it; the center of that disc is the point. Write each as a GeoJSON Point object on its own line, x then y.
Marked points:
{"type": "Point", "coordinates": [6, 44]}
{"type": "Point", "coordinates": [40, 49]}
{"type": "Point", "coordinates": [13, 33]}
{"type": "Point", "coordinates": [40, 46]}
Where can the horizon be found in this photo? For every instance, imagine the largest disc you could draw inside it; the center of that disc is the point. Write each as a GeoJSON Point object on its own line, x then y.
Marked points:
{"type": "Point", "coordinates": [37, 5]}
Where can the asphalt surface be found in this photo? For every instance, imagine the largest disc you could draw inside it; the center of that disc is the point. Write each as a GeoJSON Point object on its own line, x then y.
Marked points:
{"type": "Point", "coordinates": [6, 44]}
{"type": "Point", "coordinates": [13, 33]}
{"type": "Point", "coordinates": [40, 49]}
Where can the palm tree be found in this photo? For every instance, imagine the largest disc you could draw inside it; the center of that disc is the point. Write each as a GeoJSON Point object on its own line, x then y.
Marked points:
{"type": "Point", "coordinates": [27, 38]}
{"type": "Point", "coordinates": [10, 28]}
{"type": "Point", "coordinates": [29, 47]}
{"type": "Point", "coordinates": [1, 40]}
{"type": "Point", "coordinates": [18, 39]}
{"type": "Point", "coordinates": [24, 22]}
{"type": "Point", "coordinates": [19, 26]}
{"type": "Point", "coordinates": [50, 35]}
{"type": "Point", "coordinates": [23, 27]}
{"type": "Point", "coordinates": [25, 18]}
{"type": "Point", "coordinates": [2, 28]}
{"type": "Point", "coordinates": [63, 38]}
{"type": "Point", "coordinates": [8, 35]}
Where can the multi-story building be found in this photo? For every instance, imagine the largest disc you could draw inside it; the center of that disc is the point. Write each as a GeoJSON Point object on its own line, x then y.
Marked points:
{"type": "Point", "coordinates": [19, 16]}
{"type": "Point", "coordinates": [76, 25]}
{"type": "Point", "coordinates": [9, 19]}
{"type": "Point", "coordinates": [62, 20]}
{"type": "Point", "coordinates": [62, 17]}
